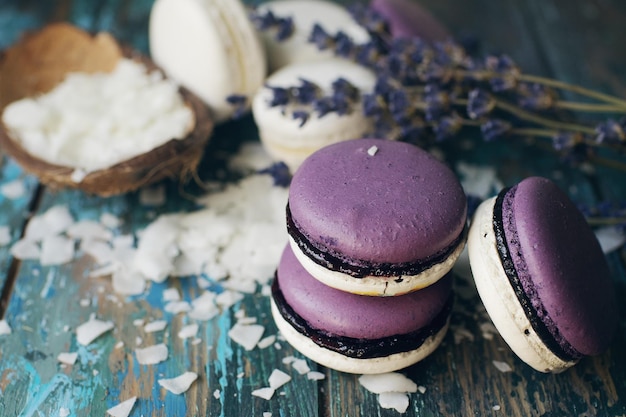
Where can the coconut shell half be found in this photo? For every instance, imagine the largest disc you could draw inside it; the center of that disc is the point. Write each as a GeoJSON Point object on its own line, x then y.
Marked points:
{"type": "Point", "coordinates": [41, 60]}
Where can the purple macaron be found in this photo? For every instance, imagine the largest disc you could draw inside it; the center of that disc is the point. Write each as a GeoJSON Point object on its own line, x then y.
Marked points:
{"type": "Point", "coordinates": [351, 332]}
{"type": "Point", "coordinates": [376, 217]}
{"type": "Point", "coordinates": [407, 19]}
{"type": "Point", "coordinates": [554, 266]}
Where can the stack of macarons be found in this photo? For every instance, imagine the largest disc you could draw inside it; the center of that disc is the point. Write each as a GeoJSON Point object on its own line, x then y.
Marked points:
{"type": "Point", "coordinates": [374, 227]}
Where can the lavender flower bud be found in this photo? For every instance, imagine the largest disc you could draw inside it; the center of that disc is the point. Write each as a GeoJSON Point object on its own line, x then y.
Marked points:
{"type": "Point", "coordinates": [479, 104]}
{"type": "Point", "coordinates": [494, 129]}
{"type": "Point", "coordinates": [611, 131]}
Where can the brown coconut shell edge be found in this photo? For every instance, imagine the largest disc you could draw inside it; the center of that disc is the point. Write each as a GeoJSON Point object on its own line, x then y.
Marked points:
{"type": "Point", "coordinates": [42, 59]}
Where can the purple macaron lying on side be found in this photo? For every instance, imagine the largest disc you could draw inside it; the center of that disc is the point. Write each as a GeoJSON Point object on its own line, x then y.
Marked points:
{"type": "Point", "coordinates": [354, 333]}
{"type": "Point", "coordinates": [542, 276]}
{"type": "Point", "coordinates": [376, 217]}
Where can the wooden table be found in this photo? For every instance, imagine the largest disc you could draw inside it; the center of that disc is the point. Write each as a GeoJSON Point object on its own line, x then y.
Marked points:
{"type": "Point", "coordinates": [578, 41]}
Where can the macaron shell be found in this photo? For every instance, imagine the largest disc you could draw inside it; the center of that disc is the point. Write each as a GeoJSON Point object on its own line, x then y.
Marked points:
{"type": "Point", "coordinates": [561, 265]}
{"type": "Point", "coordinates": [305, 14]}
{"type": "Point", "coordinates": [284, 137]}
{"type": "Point", "coordinates": [208, 46]}
{"type": "Point", "coordinates": [357, 316]}
{"type": "Point", "coordinates": [501, 300]}
{"type": "Point", "coordinates": [406, 18]}
{"type": "Point", "coordinates": [396, 205]}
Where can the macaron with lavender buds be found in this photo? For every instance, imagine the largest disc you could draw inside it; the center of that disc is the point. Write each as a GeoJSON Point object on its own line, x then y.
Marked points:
{"type": "Point", "coordinates": [376, 217]}
{"type": "Point", "coordinates": [211, 48]}
{"type": "Point", "coordinates": [291, 132]}
{"type": "Point", "coordinates": [542, 276]}
{"type": "Point", "coordinates": [303, 15]}
{"type": "Point", "coordinates": [354, 333]}
{"type": "Point", "coordinates": [408, 19]}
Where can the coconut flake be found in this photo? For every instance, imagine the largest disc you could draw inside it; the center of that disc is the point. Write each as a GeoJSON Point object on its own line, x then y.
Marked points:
{"type": "Point", "coordinates": [56, 250]}
{"type": "Point", "coordinates": [109, 220]}
{"type": "Point", "coordinates": [68, 358]}
{"type": "Point", "coordinates": [266, 393]}
{"type": "Point", "coordinates": [502, 366]}
{"type": "Point", "coordinates": [13, 189]}
{"type": "Point", "coordinates": [372, 150]}
{"type": "Point", "coordinates": [52, 222]}
{"type": "Point", "coordinates": [123, 409]}
{"type": "Point", "coordinates": [91, 330]}
{"type": "Point", "coordinates": [176, 307]}
{"type": "Point", "coordinates": [228, 298]}
{"type": "Point", "coordinates": [387, 382]}
{"type": "Point", "coordinates": [125, 281]}
{"type": "Point", "coordinates": [217, 394]}
{"type": "Point", "coordinates": [78, 175]}
{"type": "Point", "coordinates": [266, 342]}
{"type": "Point", "coordinates": [171, 294]}
{"type": "Point", "coordinates": [100, 251]}
{"type": "Point", "coordinates": [4, 328]}
{"type": "Point", "coordinates": [152, 355]}
{"type": "Point", "coordinates": [278, 378]}
{"type": "Point", "coordinates": [25, 249]}
{"type": "Point", "coordinates": [64, 412]}
{"type": "Point", "coordinates": [610, 238]}
{"type": "Point", "coordinates": [315, 376]}
{"type": "Point", "coordinates": [155, 326]}
{"type": "Point", "coordinates": [179, 384]}
{"type": "Point", "coordinates": [204, 308]}
{"type": "Point", "coordinates": [188, 331]}
{"type": "Point", "coordinates": [89, 229]}
{"type": "Point", "coordinates": [300, 366]}
{"type": "Point", "coordinates": [399, 401]}
{"type": "Point", "coordinates": [246, 335]}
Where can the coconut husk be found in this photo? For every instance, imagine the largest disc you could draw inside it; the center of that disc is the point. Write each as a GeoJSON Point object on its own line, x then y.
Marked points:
{"type": "Point", "coordinates": [40, 61]}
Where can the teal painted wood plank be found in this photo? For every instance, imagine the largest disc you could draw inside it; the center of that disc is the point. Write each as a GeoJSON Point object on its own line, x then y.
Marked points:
{"type": "Point", "coordinates": [460, 378]}
{"type": "Point", "coordinates": [14, 209]}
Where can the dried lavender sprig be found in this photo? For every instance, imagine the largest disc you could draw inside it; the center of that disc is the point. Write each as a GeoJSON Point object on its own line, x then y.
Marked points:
{"type": "Point", "coordinates": [443, 75]}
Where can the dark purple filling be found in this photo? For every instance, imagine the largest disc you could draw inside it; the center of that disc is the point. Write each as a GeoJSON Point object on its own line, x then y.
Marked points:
{"type": "Point", "coordinates": [359, 268]}
{"type": "Point", "coordinates": [361, 348]}
{"type": "Point", "coordinates": [536, 314]}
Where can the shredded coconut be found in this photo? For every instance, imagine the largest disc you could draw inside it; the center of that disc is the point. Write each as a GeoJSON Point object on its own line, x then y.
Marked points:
{"type": "Point", "coordinates": [502, 366]}
{"type": "Point", "coordinates": [91, 330]}
{"type": "Point", "coordinates": [266, 393]}
{"type": "Point", "coordinates": [123, 409]}
{"type": "Point", "coordinates": [4, 327]}
{"type": "Point", "coordinates": [188, 331]}
{"type": "Point", "coordinates": [13, 189]}
{"type": "Point", "coordinates": [278, 378]}
{"type": "Point", "coordinates": [83, 122]}
{"type": "Point", "coordinates": [155, 326]}
{"type": "Point", "coordinates": [387, 382]}
{"type": "Point", "coordinates": [68, 358]}
{"type": "Point", "coordinates": [179, 384]}
{"type": "Point", "coordinates": [152, 355]}
{"type": "Point", "coordinates": [247, 335]}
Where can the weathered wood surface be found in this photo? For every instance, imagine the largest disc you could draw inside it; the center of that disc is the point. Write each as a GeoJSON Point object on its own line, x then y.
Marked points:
{"type": "Point", "coordinates": [577, 41]}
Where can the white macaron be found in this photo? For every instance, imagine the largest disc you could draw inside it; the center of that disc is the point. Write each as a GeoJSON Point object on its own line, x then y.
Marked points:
{"type": "Point", "coordinates": [332, 17]}
{"type": "Point", "coordinates": [209, 47]}
{"type": "Point", "coordinates": [284, 137]}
